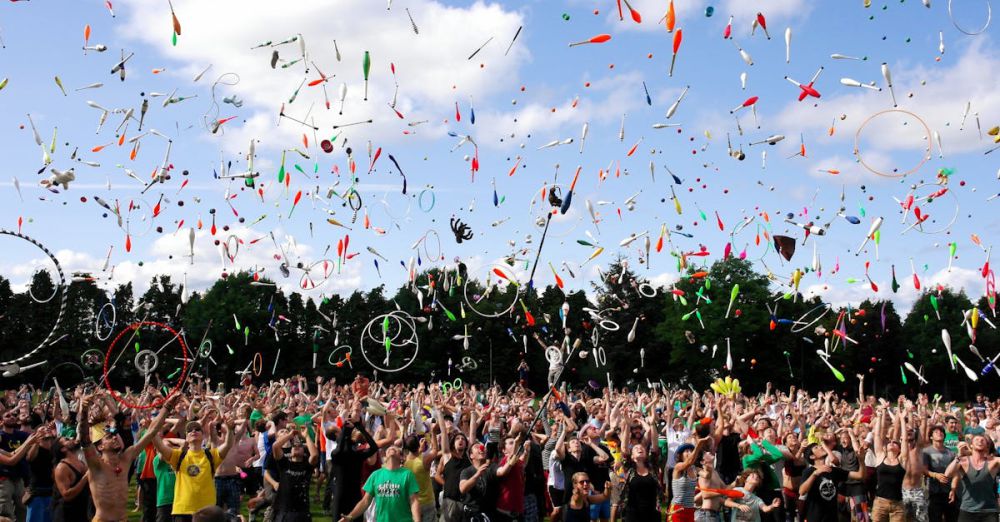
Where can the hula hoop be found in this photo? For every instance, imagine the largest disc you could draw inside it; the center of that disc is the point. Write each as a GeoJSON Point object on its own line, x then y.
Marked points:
{"type": "Point", "coordinates": [489, 289]}
{"type": "Point", "coordinates": [111, 324]}
{"type": "Point", "coordinates": [989, 17]}
{"type": "Point", "coordinates": [857, 142]}
{"type": "Point", "coordinates": [801, 320]}
{"type": "Point", "coordinates": [609, 325]}
{"type": "Point", "coordinates": [45, 380]}
{"type": "Point", "coordinates": [60, 287]}
{"type": "Point", "coordinates": [402, 319]}
{"type": "Point", "coordinates": [231, 254]}
{"type": "Point", "coordinates": [180, 381]}
{"type": "Point", "coordinates": [258, 364]}
{"type": "Point", "coordinates": [644, 294]}
{"type": "Point", "coordinates": [205, 349]}
{"type": "Point", "coordinates": [420, 199]}
{"type": "Point", "coordinates": [424, 240]}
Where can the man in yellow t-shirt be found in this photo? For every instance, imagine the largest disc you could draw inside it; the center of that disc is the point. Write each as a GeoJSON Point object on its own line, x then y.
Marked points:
{"type": "Point", "coordinates": [194, 465]}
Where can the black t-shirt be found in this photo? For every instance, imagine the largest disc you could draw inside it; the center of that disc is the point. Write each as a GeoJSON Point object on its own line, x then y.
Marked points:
{"type": "Point", "coordinates": [600, 472]}
{"type": "Point", "coordinates": [534, 477]}
{"type": "Point", "coordinates": [571, 466]}
{"type": "Point", "coordinates": [641, 502]}
{"type": "Point", "coordinates": [849, 462]}
{"type": "Point", "coordinates": [482, 498]}
{"type": "Point", "coordinates": [9, 442]}
{"type": "Point", "coordinates": [293, 487]}
{"type": "Point", "coordinates": [41, 481]}
{"type": "Point", "coordinates": [452, 472]}
{"type": "Point", "coordinates": [821, 500]}
{"type": "Point", "coordinates": [727, 455]}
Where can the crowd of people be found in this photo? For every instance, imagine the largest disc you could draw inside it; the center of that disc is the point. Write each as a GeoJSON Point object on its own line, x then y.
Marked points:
{"type": "Point", "coordinates": [284, 450]}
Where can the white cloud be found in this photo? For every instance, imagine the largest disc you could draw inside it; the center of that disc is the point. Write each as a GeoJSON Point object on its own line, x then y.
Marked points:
{"type": "Point", "coordinates": [934, 100]}
{"type": "Point", "coordinates": [842, 295]}
{"type": "Point", "coordinates": [427, 64]}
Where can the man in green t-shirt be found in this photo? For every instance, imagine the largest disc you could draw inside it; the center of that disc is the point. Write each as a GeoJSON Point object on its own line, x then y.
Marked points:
{"type": "Point", "coordinates": [952, 433]}
{"type": "Point", "coordinates": [394, 490]}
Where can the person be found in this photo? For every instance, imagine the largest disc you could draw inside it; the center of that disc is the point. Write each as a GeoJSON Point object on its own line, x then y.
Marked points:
{"type": "Point", "coordinates": [40, 481]}
{"type": "Point", "coordinates": [749, 507]}
{"type": "Point", "coordinates": [641, 492]}
{"type": "Point", "coordinates": [953, 433]}
{"type": "Point", "coordinates": [889, 473]}
{"type": "Point", "coordinates": [820, 482]}
{"type": "Point", "coordinates": [454, 461]}
{"type": "Point", "coordinates": [914, 496]}
{"type": "Point", "coordinates": [209, 514]}
{"type": "Point", "coordinates": [936, 460]}
{"type": "Point", "coordinates": [394, 490]}
{"type": "Point", "coordinates": [228, 480]}
{"type": "Point", "coordinates": [71, 497]}
{"type": "Point", "coordinates": [685, 481]}
{"type": "Point", "coordinates": [709, 503]}
{"type": "Point", "coordinates": [353, 446]}
{"type": "Point", "coordinates": [108, 460]}
{"type": "Point", "coordinates": [166, 483]}
{"type": "Point", "coordinates": [295, 470]}
{"type": "Point", "coordinates": [12, 477]}
{"type": "Point", "coordinates": [510, 501]}
{"type": "Point", "coordinates": [577, 508]}
{"type": "Point", "coordinates": [479, 487]}
{"type": "Point", "coordinates": [976, 467]}
{"type": "Point", "coordinates": [419, 458]}
{"type": "Point", "coordinates": [194, 465]}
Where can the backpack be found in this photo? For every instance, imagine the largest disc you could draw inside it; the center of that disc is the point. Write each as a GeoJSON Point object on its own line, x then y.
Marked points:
{"type": "Point", "coordinates": [208, 455]}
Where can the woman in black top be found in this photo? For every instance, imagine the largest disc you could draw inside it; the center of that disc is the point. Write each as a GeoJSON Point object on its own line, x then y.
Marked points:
{"type": "Point", "coordinates": [577, 508]}
{"type": "Point", "coordinates": [641, 490]}
{"type": "Point", "coordinates": [890, 471]}
{"type": "Point", "coordinates": [346, 460]}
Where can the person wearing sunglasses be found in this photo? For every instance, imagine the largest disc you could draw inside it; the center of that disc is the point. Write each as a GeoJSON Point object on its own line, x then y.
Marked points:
{"type": "Point", "coordinates": [577, 508]}
{"type": "Point", "coordinates": [108, 461]}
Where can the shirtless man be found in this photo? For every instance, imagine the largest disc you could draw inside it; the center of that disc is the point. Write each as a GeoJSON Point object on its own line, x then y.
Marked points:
{"type": "Point", "coordinates": [108, 462]}
{"type": "Point", "coordinates": [710, 502]}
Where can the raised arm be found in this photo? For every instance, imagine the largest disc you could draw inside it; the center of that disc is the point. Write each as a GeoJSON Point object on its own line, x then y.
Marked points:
{"type": "Point", "coordinates": [154, 428]}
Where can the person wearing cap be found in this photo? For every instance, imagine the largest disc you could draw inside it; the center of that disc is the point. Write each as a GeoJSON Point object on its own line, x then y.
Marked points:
{"type": "Point", "coordinates": [194, 463]}
{"type": "Point", "coordinates": [394, 490]}
{"type": "Point", "coordinates": [820, 482]}
{"type": "Point", "coordinates": [109, 460]}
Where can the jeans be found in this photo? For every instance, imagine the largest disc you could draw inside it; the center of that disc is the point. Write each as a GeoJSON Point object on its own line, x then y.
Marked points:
{"type": "Point", "coordinates": [227, 494]}
{"type": "Point", "coordinates": [40, 509]}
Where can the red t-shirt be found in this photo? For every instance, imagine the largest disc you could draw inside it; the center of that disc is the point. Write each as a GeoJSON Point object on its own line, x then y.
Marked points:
{"type": "Point", "coordinates": [511, 497]}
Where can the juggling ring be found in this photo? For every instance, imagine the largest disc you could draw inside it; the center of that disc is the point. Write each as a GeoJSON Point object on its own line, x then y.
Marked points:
{"type": "Point", "coordinates": [258, 364]}
{"type": "Point", "coordinates": [989, 17]}
{"type": "Point", "coordinates": [511, 277]}
{"type": "Point", "coordinates": [146, 361]}
{"type": "Point", "coordinates": [111, 324]}
{"type": "Point", "coordinates": [600, 357]}
{"type": "Point", "coordinates": [800, 325]}
{"type": "Point", "coordinates": [644, 294]}
{"type": "Point", "coordinates": [45, 380]}
{"type": "Point", "coordinates": [231, 254]}
{"type": "Point", "coordinates": [344, 359]}
{"type": "Point", "coordinates": [861, 160]}
{"type": "Point", "coordinates": [954, 217]}
{"type": "Point", "coordinates": [546, 209]}
{"type": "Point", "coordinates": [420, 199]}
{"type": "Point", "coordinates": [60, 285]}
{"type": "Point", "coordinates": [611, 326]}
{"type": "Point", "coordinates": [180, 381]}
{"type": "Point", "coordinates": [447, 387]}
{"type": "Point", "coordinates": [468, 363]}
{"type": "Point", "coordinates": [401, 318]}
{"type": "Point", "coordinates": [205, 349]}
{"type": "Point", "coordinates": [387, 207]}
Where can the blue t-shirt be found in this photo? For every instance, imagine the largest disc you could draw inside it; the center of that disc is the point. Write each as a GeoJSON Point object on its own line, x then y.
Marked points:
{"type": "Point", "coordinates": [9, 442]}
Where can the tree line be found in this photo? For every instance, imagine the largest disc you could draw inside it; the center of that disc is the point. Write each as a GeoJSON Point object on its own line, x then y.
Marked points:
{"type": "Point", "coordinates": [625, 330]}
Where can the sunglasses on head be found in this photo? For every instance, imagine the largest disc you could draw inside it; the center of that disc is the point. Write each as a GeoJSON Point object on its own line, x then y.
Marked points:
{"type": "Point", "coordinates": [194, 429]}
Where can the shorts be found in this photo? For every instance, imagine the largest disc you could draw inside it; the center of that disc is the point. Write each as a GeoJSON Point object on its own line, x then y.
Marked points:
{"type": "Point", "coordinates": [681, 513]}
{"type": "Point", "coordinates": [557, 496]}
{"type": "Point", "coordinates": [11, 493]}
{"type": "Point", "coordinates": [915, 504]}
{"type": "Point", "coordinates": [706, 515]}
{"type": "Point", "coordinates": [601, 510]}
{"type": "Point", "coordinates": [428, 512]}
{"type": "Point", "coordinates": [888, 510]}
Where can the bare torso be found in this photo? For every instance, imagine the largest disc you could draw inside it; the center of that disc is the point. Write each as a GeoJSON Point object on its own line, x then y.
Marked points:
{"type": "Point", "coordinates": [109, 488]}
{"type": "Point", "coordinates": [914, 477]}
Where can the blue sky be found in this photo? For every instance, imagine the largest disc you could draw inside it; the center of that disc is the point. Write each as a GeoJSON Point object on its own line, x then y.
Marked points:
{"type": "Point", "coordinates": [513, 97]}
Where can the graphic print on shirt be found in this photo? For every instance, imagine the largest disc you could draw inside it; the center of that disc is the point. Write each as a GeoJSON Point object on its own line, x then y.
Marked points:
{"type": "Point", "coordinates": [827, 488]}
{"type": "Point", "coordinates": [389, 490]}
